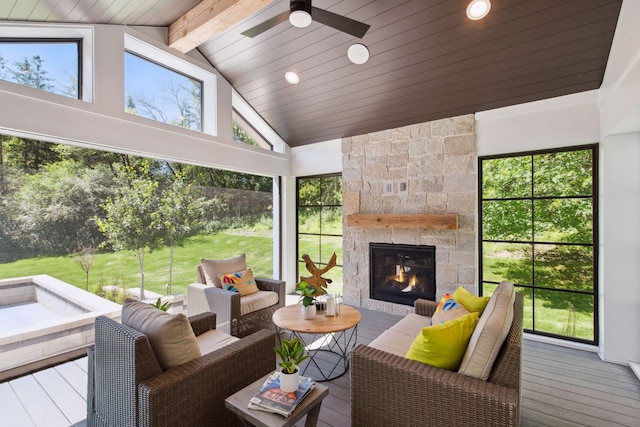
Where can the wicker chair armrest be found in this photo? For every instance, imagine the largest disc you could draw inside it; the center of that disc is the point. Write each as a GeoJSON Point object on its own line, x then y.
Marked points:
{"type": "Point", "coordinates": [277, 286]}
{"type": "Point", "coordinates": [193, 394]}
{"type": "Point", "coordinates": [216, 300]}
{"type": "Point", "coordinates": [203, 322]}
{"type": "Point", "coordinates": [112, 380]}
{"type": "Point", "coordinates": [423, 394]}
{"type": "Point", "coordinates": [425, 307]}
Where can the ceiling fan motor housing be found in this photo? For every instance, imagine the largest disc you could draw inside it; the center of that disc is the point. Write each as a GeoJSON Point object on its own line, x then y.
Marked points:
{"type": "Point", "coordinates": [300, 5]}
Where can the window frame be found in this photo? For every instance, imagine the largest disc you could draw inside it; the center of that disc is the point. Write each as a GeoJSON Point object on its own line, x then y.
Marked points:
{"type": "Point", "coordinates": [594, 245]}
{"type": "Point", "coordinates": [164, 59]}
{"type": "Point", "coordinates": [45, 33]}
{"type": "Point", "coordinates": [240, 121]}
{"type": "Point", "coordinates": [320, 234]}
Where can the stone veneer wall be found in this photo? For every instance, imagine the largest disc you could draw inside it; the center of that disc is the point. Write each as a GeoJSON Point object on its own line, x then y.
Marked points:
{"type": "Point", "coordinates": [438, 161]}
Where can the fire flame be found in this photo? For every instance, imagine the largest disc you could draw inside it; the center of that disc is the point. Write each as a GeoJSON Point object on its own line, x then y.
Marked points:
{"type": "Point", "coordinates": [412, 281]}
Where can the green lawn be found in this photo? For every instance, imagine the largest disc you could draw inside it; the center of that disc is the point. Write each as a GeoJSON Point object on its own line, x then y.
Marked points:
{"type": "Point", "coordinates": [121, 268]}
{"type": "Point", "coordinates": [556, 312]}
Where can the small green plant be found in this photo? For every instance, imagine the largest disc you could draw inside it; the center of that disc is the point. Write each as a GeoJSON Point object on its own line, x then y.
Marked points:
{"type": "Point", "coordinates": [160, 305]}
{"type": "Point", "coordinates": [307, 293]}
{"type": "Point", "coordinates": [291, 353]}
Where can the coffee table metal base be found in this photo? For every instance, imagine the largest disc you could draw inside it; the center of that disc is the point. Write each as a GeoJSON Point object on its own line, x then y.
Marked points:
{"type": "Point", "coordinates": [329, 353]}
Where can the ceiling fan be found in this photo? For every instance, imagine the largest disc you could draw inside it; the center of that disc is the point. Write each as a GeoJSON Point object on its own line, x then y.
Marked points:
{"type": "Point", "coordinates": [301, 13]}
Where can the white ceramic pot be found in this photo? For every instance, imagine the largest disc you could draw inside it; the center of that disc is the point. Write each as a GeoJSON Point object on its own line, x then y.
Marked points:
{"type": "Point", "coordinates": [289, 382]}
{"type": "Point", "coordinates": [309, 312]}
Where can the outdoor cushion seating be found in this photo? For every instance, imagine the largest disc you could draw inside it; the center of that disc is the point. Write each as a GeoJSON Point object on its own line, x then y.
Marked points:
{"type": "Point", "coordinates": [388, 387]}
{"type": "Point", "coordinates": [238, 314]}
{"type": "Point", "coordinates": [129, 385]}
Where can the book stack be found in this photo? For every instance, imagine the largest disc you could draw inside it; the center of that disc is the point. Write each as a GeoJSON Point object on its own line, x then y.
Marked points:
{"type": "Point", "coordinates": [271, 398]}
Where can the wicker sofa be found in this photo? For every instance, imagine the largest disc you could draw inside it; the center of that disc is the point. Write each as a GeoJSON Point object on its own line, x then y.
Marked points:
{"type": "Point", "coordinates": [127, 386]}
{"type": "Point", "coordinates": [390, 390]}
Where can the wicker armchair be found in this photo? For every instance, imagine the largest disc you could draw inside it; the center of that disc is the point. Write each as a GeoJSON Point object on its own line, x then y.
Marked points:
{"type": "Point", "coordinates": [128, 388]}
{"type": "Point", "coordinates": [228, 305]}
{"type": "Point", "coordinates": [389, 390]}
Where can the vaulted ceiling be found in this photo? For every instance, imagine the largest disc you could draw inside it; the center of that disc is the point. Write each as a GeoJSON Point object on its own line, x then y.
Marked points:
{"type": "Point", "coordinates": [428, 60]}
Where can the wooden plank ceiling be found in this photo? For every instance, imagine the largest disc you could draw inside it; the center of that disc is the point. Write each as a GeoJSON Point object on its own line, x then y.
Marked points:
{"type": "Point", "coordinates": [428, 61]}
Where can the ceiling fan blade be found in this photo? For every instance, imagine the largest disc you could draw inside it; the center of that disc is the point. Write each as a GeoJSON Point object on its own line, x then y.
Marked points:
{"type": "Point", "coordinates": [339, 22]}
{"type": "Point", "coordinates": [266, 25]}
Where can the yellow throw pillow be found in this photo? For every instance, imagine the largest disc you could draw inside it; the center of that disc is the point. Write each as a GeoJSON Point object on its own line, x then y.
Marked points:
{"type": "Point", "coordinates": [240, 281]}
{"type": "Point", "coordinates": [443, 345]}
{"type": "Point", "coordinates": [470, 301]}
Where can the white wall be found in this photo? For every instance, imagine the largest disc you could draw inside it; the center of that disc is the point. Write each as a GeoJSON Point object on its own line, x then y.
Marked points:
{"type": "Point", "coordinates": [620, 248]}
{"type": "Point", "coordinates": [551, 123]}
{"type": "Point", "coordinates": [619, 97]}
{"type": "Point", "coordinates": [317, 159]}
{"type": "Point", "coordinates": [619, 101]}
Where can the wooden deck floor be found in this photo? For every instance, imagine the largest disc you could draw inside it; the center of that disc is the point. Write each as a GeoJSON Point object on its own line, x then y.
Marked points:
{"type": "Point", "coordinates": [561, 387]}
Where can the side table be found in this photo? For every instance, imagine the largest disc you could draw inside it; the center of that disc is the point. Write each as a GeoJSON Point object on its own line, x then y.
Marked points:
{"type": "Point", "coordinates": [328, 340]}
{"type": "Point", "coordinates": [310, 406]}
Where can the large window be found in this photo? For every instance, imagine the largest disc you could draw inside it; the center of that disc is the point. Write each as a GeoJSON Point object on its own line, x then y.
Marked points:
{"type": "Point", "coordinates": [167, 88]}
{"type": "Point", "coordinates": [52, 65]}
{"type": "Point", "coordinates": [244, 133]}
{"type": "Point", "coordinates": [538, 213]}
{"type": "Point", "coordinates": [161, 94]}
{"type": "Point", "coordinates": [320, 225]}
{"type": "Point", "coordinates": [97, 219]}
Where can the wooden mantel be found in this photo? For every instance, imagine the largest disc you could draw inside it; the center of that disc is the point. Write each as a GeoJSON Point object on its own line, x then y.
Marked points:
{"type": "Point", "coordinates": [404, 221]}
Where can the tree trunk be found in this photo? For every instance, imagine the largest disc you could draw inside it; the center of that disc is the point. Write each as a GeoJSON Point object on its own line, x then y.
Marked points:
{"type": "Point", "coordinates": [170, 269]}
{"type": "Point", "coordinates": [141, 264]}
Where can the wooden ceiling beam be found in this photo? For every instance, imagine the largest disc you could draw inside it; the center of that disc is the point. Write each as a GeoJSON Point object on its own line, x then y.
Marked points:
{"type": "Point", "coordinates": [209, 18]}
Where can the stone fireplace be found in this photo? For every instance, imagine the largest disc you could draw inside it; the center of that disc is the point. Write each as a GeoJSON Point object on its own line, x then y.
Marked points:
{"type": "Point", "coordinates": [406, 173]}
{"type": "Point", "coordinates": [402, 273]}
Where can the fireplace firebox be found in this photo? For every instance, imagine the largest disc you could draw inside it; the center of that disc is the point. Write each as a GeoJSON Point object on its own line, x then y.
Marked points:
{"type": "Point", "coordinates": [402, 273]}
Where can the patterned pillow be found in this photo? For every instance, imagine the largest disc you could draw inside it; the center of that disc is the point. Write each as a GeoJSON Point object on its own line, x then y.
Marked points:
{"type": "Point", "coordinates": [240, 281]}
{"type": "Point", "coordinates": [448, 309]}
{"type": "Point", "coordinates": [212, 268]}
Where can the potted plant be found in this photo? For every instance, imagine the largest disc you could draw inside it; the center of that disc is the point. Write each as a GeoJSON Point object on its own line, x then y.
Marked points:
{"type": "Point", "coordinates": [291, 353]}
{"type": "Point", "coordinates": [308, 298]}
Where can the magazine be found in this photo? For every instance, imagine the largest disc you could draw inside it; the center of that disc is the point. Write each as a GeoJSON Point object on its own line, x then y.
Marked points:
{"type": "Point", "coordinates": [271, 398]}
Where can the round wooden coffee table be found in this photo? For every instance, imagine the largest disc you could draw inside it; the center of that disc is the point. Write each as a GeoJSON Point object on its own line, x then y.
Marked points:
{"type": "Point", "coordinates": [329, 340]}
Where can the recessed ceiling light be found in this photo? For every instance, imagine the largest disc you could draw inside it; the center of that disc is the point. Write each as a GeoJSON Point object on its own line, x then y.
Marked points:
{"type": "Point", "coordinates": [358, 53]}
{"type": "Point", "coordinates": [478, 9]}
{"type": "Point", "coordinates": [292, 77]}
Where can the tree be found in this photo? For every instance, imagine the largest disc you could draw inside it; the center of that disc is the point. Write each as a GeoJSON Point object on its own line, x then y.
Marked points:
{"type": "Point", "coordinates": [177, 104]}
{"type": "Point", "coordinates": [179, 216]}
{"type": "Point", "coordinates": [553, 186]}
{"type": "Point", "coordinates": [2, 67]}
{"type": "Point", "coordinates": [28, 154]}
{"type": "Point", "coordinates": [31, 72]}
{"type": "Point", "coordinates": [53, 211]}
{"type": "Point", "coordinates": [242, 136]}
{"type": "Point", "coordinates": [85, 259]}
{"type": "Point", "coordinates": [130, 221]}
